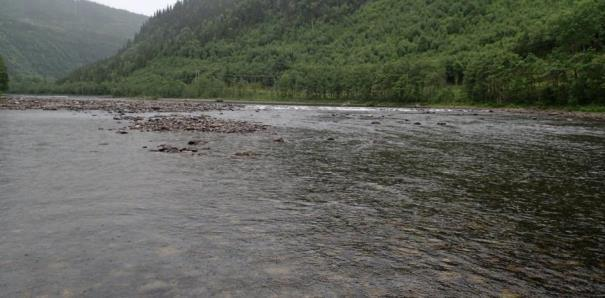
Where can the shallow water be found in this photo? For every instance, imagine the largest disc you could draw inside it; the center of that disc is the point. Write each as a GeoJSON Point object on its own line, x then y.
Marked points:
{"type": "Point", "coordinates": [490, 204]}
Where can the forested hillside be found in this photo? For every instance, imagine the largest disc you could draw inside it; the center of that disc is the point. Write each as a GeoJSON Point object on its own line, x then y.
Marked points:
{"type": "Point", "coordinates": [408, 51]}
{"type": "Point", "coordinates": [3, 76]}
{"type": "Point", "coordinates": [48, 39]}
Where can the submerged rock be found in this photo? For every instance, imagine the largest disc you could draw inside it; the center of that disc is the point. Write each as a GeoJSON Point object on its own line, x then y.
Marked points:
{"type": "Point", "coordinates": [245, 154]}
{"type": "Point", "coordinates": [165, 148]}
{"type": "Point", "coordinates": [196, 142]}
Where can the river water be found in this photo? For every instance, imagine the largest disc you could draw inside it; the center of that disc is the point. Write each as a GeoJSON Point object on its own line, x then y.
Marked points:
{"type": "Point", "coordinates": [490, 204]}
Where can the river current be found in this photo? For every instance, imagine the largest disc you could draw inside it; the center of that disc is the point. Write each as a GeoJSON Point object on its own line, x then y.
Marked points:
{"type": "Point", "coordinates": [354, 202]}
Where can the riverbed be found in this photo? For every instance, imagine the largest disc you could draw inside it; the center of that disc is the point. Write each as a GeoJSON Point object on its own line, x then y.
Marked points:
{"type": "Point", "coordinates": [326, 201]}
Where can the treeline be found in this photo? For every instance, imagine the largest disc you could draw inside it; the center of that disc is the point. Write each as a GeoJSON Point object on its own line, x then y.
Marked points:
{"type": "Point", "coordinates": [563, 63]}
{"type": "Point", "coordinates": [499, 51]}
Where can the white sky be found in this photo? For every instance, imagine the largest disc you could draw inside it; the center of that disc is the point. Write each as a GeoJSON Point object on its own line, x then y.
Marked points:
{"type": "Point", "coordinates": [146, 7]}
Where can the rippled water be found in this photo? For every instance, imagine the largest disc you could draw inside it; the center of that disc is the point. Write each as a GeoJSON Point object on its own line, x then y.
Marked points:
{"type": "Point", "coordinates": [490, 204]}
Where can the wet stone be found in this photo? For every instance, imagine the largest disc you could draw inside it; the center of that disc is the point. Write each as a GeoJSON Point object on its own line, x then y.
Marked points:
{"type": "Point", "coordinates": [245, 154]}
{"type": "Point", "coordinates": [165, 148]}
{"type": "Point", "coordinates": [196, 142]}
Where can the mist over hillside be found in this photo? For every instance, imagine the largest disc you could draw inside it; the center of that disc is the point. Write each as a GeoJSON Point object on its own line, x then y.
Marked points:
{"type": "Point", "coordinates": [49, 39]}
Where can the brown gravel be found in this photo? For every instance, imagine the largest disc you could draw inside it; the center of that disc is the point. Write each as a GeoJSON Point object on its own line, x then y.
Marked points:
{"type": "Point", "coordinates": [120, 109]}
{"type": "Point", "coordinates": [118, 106]}
{"type": "Point", "coordinates": [200, 123]}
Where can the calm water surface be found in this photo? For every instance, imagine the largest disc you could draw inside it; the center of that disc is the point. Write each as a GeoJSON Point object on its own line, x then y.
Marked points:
{"type": "Point", "coordinates": [489, 204]}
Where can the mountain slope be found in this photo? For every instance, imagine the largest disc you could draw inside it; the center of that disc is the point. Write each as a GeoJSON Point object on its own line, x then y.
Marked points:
{"type": "Point", "coordinates": [3, 77]}
{"type": "Point", "coordinates": [504, 51]}
{"type": "Point", "coordinates": [48, 39]}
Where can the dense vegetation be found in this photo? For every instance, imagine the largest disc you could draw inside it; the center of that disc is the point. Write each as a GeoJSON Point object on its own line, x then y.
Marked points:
{"type": "Point", "coordinates": [43, 39]}
{"type": "Point", "coordinates": [407, 51]}
{"type": "Point", "coordinates": [3, 76]}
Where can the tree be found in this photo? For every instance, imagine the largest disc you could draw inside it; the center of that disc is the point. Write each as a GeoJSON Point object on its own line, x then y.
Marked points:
{"type": "Point", "coordinates": [417, 51]}
{"type": "Point", "coordinates": [3, 76]}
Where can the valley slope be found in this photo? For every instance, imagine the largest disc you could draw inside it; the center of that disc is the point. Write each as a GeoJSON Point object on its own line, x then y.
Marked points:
{"type": "Point", "coordinates": [538, 52]}
{"type": "Point", "coordinates": [42, 39]}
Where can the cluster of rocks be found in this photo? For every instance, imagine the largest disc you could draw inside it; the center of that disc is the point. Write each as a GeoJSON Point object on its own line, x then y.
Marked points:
{"type": "Point", "coordinates": [199, 123]}
{"type": "Point", "coordinates": [164, 148]}
{"type": "Point", "coordinates": [245, 154]}
{"type": "Point", "coordinates": [171, 149]}
{"type": "Point", "coordinates": [111, 105]}
{"type": "Point", "coordinates": [121, 109]}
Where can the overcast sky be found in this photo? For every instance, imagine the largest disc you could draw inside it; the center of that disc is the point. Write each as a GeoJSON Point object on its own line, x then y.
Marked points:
{"type": "Point", "coordinates": [146, 7]}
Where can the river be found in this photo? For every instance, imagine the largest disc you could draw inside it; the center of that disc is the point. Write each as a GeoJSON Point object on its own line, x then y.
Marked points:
{"type": "Point", "coordinates": [353, 202]}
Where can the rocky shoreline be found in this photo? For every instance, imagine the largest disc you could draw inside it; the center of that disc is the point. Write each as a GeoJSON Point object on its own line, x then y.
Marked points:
{"type": "Point", "coordinates": [118, 106]}
{"type": "Point", "coordinates": [184, 117]}
{"type": "Point", "coordinates": [130, 110]}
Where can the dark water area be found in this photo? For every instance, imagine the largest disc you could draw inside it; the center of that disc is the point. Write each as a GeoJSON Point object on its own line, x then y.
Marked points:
{"type": "Point", "coordinates": [355, 202]}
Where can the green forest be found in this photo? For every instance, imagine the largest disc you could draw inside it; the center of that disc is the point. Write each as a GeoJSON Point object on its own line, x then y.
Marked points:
{"type": "Point", "coordinates": [3, 76]}
{"type": "Point", "coordinates": [500, 52]}
{"type": "Point", "coordinates": [46, 40]}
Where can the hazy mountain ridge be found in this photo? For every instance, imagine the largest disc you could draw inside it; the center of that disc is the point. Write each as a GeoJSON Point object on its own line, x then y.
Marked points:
{"type": "Point", "coordinates": [48, 39]}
